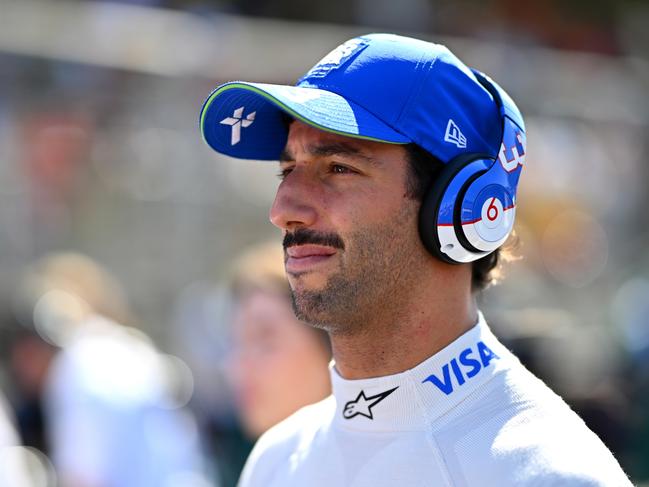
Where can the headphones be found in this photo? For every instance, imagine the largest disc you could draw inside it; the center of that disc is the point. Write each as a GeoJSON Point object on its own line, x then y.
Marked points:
{"type": "Point", "coordinates": [468, 212]}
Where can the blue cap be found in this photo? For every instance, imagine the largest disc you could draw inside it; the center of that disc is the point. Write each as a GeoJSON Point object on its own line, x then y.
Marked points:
{"type": "Point", "coordinates": [379, 87]}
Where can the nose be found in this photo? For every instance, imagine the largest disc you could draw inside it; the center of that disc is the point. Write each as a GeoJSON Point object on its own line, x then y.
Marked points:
{"type": "Point", "coordinates": [294, 205]}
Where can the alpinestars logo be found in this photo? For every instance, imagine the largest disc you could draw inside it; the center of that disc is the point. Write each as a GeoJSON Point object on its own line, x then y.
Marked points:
{"type": "Point", "coordinates": [236, 121]}
{"type": "Point", "coordinates": [454, 135]}
{"type": "Point", "coordinates": [363, 405]}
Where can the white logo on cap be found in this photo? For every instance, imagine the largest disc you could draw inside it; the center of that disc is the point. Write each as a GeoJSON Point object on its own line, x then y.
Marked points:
{"type": "Point", "coordinates": [341, 52]}
{"type": "Point", "coordinates": [516, 160]}
{"type": "Point", "coordinates": [454, 135]}
{"type": "Point", "coordinates": [236, 121]}
{"type": "Point", "coordinates": [336, 58]}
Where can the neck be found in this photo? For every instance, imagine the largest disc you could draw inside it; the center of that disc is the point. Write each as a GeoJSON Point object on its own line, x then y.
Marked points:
{"type": "Point", "coordinates": [400, 339]}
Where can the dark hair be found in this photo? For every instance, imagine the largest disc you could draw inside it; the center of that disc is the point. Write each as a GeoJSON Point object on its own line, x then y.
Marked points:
{"type": "Point", "coordinates": [423, 168]}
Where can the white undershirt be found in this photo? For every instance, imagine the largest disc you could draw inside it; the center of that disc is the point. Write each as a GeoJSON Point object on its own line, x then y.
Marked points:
{"type": "Point", "coordinates": [470, 415]}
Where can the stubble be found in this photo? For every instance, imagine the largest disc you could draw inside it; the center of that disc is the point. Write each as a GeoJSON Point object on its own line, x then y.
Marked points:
{"type": "Point", "coordinates": [372, 282]}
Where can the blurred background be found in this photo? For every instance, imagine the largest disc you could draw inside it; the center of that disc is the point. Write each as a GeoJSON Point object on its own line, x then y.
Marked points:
{"type": "Point", "coordinates": [112, 210]}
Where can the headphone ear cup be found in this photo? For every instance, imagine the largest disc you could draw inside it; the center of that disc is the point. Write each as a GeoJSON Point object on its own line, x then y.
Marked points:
{"type": "Point", "coordinates": [437, 214]}
{"type": "Point", "coordinates": [468, 211]}
{"type": "Point", "coordinates": [487, 209]}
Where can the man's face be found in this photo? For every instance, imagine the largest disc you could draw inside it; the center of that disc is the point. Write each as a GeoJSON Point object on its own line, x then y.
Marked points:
{"type": "Point", "coordinates": [350, 231]}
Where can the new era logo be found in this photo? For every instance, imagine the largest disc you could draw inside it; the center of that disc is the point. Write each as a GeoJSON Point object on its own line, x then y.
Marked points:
{"type": "Point", "coordinates": [454, 135]}
{"type": "Point", "coordinates": [236, 121]}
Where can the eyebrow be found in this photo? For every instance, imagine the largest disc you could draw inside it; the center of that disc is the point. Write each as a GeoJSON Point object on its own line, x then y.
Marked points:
{"type": "Point", "coordinates": [330, 149]}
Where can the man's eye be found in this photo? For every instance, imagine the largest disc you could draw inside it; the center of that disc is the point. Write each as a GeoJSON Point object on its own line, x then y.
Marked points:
{"type": "Point", "coordinates": [338, 169]}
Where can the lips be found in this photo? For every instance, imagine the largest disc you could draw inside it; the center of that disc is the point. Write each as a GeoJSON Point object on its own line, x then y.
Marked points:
{"type": "Point", "coordinates": [302, 258]}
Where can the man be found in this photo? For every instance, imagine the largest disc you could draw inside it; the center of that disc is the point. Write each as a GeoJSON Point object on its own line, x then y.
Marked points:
{"type": "Point", "coordinates": [399, 169]}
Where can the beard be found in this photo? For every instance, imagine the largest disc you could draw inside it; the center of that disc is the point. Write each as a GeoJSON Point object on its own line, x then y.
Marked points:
{"type": "Point", "coordinates": [376, 269]}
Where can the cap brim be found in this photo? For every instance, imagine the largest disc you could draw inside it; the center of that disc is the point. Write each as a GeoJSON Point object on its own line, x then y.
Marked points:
{"type": "Point", "coordinates": [248, 120]}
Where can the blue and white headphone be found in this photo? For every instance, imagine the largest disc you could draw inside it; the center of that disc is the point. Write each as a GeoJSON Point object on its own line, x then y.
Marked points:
{"type": "Point", "coordinates": [468, 212]}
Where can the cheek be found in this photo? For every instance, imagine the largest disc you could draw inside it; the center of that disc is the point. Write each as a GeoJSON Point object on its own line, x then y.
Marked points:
{"type": "Point", "coordinates": [287, 360]}
{"type": "Point", "coordinates": [259, 380]}
{"type": "Point", "coordinates": [349, 211]}
{"type": "Point", "coordinates": [382, 220]}
{"type": "Point", "coordinates": [268, 365]}
{"type": "Point", "coordinates": [276, 362]}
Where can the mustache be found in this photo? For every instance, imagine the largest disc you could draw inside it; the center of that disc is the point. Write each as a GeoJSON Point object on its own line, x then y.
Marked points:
{"type": "Point", "coordinates": [303, 236]}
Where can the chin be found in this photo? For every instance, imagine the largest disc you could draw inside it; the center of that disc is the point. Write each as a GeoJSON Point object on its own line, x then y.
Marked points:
{"type": "Point", "coordinates": [314, 311]}
{"type": "Point", "coordinates": [307, 282]}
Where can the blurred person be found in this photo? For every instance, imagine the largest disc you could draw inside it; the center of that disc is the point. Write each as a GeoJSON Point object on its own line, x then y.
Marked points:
{"type": "Point", "coordinates": [13, 468]}
{"type": "Point", "coordinates": [399, 167]}
{"type": "Point", "coordinates": [109, 404]}
{"type": "Point", "coordinates": [201, 337]}
{"type": "Point", "coordinates": [29, 359]}
{"type": "Point", "coordinates": [278, 364]}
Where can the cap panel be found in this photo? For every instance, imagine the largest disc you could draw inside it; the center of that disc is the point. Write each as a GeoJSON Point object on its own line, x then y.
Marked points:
{"type": "Point", "coordinates": [452, 113]}
{"type": "Point", "coordinates": [378, 75]}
